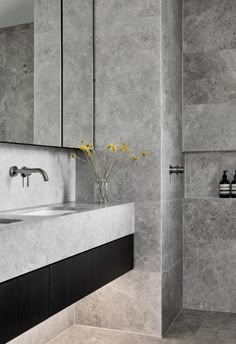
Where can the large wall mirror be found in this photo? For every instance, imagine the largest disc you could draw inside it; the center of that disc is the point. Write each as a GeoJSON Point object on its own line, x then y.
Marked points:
{"type": "Point", "coordinates": [78, 51]}
{"type": "Point", "coordinates": [46, 72]}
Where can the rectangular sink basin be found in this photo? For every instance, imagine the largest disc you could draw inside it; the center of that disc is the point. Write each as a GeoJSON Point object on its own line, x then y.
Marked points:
{"type": "Point", "coordinates": [48, 212]}
{"type": "Point", "coordinates": [7, 221]}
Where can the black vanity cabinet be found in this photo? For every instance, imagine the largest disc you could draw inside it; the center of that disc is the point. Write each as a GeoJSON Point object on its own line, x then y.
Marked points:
{"type": "Point", "coordinates": [8, 311]}
{"type": "Point", "coordinates": [27, 300]}
{"type": "Point", "coordinates": [70, 281]}
{"type": "Point", "coordinates": [111, 261]}
{"type": "Point", "coordinates": [24, 303]}
{"type": "Point", "coordinates": [33, 299]}
{"type": "Point", "coordinates": [78, 276]}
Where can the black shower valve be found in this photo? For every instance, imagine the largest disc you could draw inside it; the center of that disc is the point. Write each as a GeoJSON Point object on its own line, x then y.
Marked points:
{"type": "Point", "coordinates": [176, 169]}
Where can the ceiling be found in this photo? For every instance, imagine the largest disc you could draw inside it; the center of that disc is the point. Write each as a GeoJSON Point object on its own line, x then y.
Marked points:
{"type": "Point", "coordinates": [13, 12]}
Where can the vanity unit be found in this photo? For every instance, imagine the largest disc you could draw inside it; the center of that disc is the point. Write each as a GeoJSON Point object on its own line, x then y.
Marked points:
{"type": "Point", "coordinates": [51, 257]}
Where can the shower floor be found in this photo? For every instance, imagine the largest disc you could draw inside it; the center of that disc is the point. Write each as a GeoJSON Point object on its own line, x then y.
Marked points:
{"type": "Point", "coordinates": [191, 327]}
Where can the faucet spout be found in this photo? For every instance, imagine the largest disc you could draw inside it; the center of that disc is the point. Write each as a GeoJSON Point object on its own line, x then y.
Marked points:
{"type": "Point", "coordinates": [40, 171]}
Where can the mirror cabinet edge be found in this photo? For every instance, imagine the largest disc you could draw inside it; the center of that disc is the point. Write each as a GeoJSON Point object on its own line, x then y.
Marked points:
{"type": "Point", "coordinates": [93, 109]}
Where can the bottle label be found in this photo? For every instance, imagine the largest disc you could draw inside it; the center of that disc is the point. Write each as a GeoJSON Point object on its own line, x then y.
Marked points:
{"type": "Point", "coordinates": [225, 189]}
{"type": "Point", "coordinates": [233, 189]}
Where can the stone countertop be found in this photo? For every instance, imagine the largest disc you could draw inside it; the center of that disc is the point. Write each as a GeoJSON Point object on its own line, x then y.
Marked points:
{"type": "Point", "coordinates": [37, 241]}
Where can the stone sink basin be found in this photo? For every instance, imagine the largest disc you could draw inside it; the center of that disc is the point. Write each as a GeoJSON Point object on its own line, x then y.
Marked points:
{"type": "Point", "coordinates": [32, 238]}
{"type": "Point", "coordinates": [48, 212]}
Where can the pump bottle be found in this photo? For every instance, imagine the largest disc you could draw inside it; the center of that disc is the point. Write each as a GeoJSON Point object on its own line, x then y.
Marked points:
{"type": "Point", "coordinates": [224, 186]}
{"type": "Point", "coordinates": [233, 187]}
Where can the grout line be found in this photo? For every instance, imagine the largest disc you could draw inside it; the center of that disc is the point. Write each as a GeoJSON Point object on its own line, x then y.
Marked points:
{"type": "Point", "coordinates": [161, 145]}
{"type": "Point", "coordinates": [62, 78]}
{"type": "Point", "coordinates": [94, 77]}
{"type": "Point", "coordinates": [172, 200]}
{"type": "Point", "coordinates": [51, 340]}
{"type": "Point", "coordinates": [212, 198]}
{"type": "Point", "coordinates": [212, 151]}
{"type": "Point", "coordinates": [182, 76]}
{"type": "Point", "coordinates": [207, 310]}
{"type": "Point", "coordinates": [119, 331]}
{"type": "Point", "coordinates": [184, 157]}
{"type": "Point", "coordinates": [173, 322]}
{"type": "Point", "coordinates": [171, 266]}
{"type": "Point", "coordinates": [67, 329]}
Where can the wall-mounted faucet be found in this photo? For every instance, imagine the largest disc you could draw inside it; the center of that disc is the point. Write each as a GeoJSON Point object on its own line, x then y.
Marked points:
{"type": "Point", "coordinates": [26, 172]}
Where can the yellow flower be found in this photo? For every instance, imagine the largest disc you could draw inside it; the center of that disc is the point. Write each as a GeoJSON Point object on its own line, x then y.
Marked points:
{"type": "Point", "coordinates": [134, 157]}
{"type": "Point", "coordinates": [89, 145]}
{"type": "Point", "coordinates": [144, 154]}
{"type": "Point", "coordinates": [112, 147]}
{"type": "Point", "coordinates": [124, 148]}
{"type": "Point", "coordinates": [84, 148]}
{"type": "Point", "coordinates": [74, 156]}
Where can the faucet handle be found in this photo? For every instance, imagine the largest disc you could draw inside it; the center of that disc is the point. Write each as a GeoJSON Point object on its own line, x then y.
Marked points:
{"type": "Point", "coordinates": [24, 175]}
{"type": "Point", "coordinates": [13, 171]}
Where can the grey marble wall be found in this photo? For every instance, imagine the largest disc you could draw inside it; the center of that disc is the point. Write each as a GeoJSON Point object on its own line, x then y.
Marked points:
{"type": "Point", "coordinates": [210, 254]}
{"type": "Point", "coordinates": [171, 154]}
{"type": "Point", "coordinates": [16, 83]}
{"type": "Point", "coordinates": [49, 329]}
{"type": "Point", "coordinates": [209, 128]}
{"type": "Point", "coordinates": [128, 109]}
{"type": "Point", "coordinates": [209, 78]}
{"type": "Point", "coordinates": [135, 106]}
{"type": "Point", "coordinates": [57, 163]}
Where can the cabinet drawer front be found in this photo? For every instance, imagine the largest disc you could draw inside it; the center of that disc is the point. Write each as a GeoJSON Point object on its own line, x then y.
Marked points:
{"type": "Point", "coordinates": [33, 299]}
{"type": "Point", "coordinates": [8, 311]}
{"type": "Point", "coordinates": [70, 280]}
{"type": "Point", "coordinates": [112, 260]}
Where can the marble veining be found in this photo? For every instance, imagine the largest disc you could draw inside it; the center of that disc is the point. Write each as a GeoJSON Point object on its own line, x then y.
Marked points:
{"type": "Point", "coordinates": [49, 329]}
{"type": "Point", "coordinates": [209, 127]}
{"type": "Point", "coordinates": [191, 327]}
{"type": "Point", "coordinates": [209, 25]}
{"type": "Point", "coordinates": [59, 166]}
{"type": "Point", "coordinates": [209, 77]}
{"type": "Point", "coordinates": [131, 303]}
{"type": "Point", "coordinates": [40, 241]}
{"type": "Point", "coordinates": [209, 254]}
{"type": "Point", "coordinates": [147, 243]}
{"type": "Point", "coordinates": [133, 50]}
{"type": "Point", "coordinates": [209, 62]}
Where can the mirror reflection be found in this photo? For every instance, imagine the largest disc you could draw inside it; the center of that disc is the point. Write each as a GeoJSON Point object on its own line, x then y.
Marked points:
{"type": "Point", "coordinates": [30, 39]}
{"type": "Point", "coordinates": [77, 72]}
{"type": "Point", "coordinates": [31, 61]}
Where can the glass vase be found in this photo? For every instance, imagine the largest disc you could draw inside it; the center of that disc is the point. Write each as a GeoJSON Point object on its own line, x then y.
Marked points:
{"type": "Point", "coordinates": [102, 190]}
